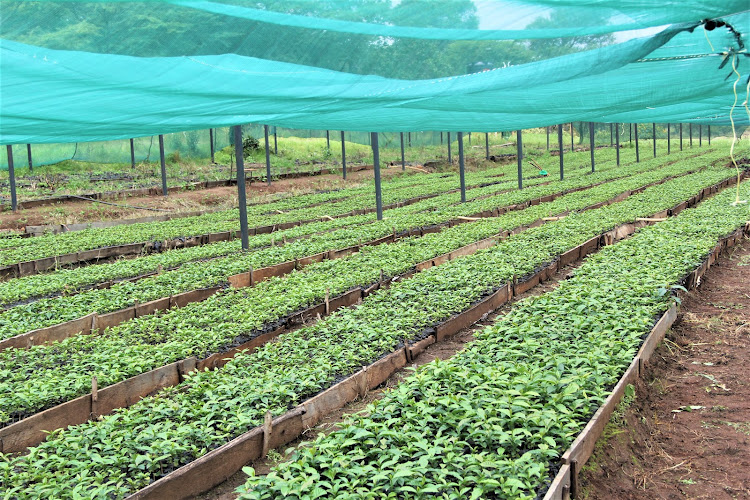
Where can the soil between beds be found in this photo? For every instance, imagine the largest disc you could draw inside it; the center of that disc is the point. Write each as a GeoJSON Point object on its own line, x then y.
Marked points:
{"type": "Point", "coordinates": [687, 434]}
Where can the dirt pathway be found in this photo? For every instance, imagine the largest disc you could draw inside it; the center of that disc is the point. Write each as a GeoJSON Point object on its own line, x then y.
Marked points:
{"type": "Point", "coordinates": [224, 197]}
{"type": "Point", "coordinates": [687, 433]}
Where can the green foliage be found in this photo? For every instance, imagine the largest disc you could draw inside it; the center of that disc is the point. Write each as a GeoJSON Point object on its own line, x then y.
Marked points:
{"type": "Point", "coordinates": [490, 421]}
{"type": "Point", "coordinates": [485, 423]}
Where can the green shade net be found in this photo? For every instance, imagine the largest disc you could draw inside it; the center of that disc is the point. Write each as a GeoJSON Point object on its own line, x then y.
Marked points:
{"type": "Point", "coordinates": [98, 71]}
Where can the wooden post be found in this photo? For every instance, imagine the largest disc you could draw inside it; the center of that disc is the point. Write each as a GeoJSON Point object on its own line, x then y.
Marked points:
{"type": "Point", "coordinates": [560, 145]}
{"type": "Point", "coordinates": [461, 174]}
{"type": "Point", "coordinates": [343, 155]}
{"type": "Point", "coordinates": [591, 144]}
{"type": "Point", "coordinates": [403, 156]}
{"type": "Point", "coordinates": [12, 178]}
{"type": "Point", "coordinates": [268, 155]}
{"type": "Point", "coordinates": [617, 143]}
{"type": "Point", "coordinates": [163, 165]}
{"type": "Point", "coordinates": [637, 152]}
{"type": "Point", "coordinates": [28, 153]}
{"type": "Point", "coordinates": [241, 190]}
{"type": "Point", "coordinates": [376, 166]}
{"type": "Point", "coordinates": [519, 155]}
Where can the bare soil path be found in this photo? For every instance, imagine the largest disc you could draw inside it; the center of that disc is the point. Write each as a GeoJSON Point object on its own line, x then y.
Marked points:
{"type": "Point", "coordinates": [224, 197]}
{"type": "Point", "coordinates": [687, 433]}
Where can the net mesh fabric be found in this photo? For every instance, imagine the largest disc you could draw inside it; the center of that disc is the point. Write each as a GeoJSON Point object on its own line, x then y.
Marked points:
{"type": "Point", "coordinates": [73, 72]}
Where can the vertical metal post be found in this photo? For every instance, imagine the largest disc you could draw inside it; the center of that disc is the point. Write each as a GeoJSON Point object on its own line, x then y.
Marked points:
{"type": "Point", "coordinates": [376, 165]}
{"type": "Point", "coordinates": [690, 131]}
{"type": "Point", "coordinates": [276, 142]}
{"type": "Point", "coordinates": [617, 143]}
{"type": "Point", "coordinates": [409, 137]}
{"type": "Point", "coordinates": [571, 137]}
{"type": "Point", "coordinates": [637, 151]}
{"type": "Point", "coordinates": [700, 135]}
{"type": "Point", "coordinates": [403, 156]}
{"type": "Point", "coordinates": [132, 154]}
{"type": "Point", "coordinates": [519, 155]}
{"type": "Point", "coordinates": [12, 178]}
{"type": "Point", "coordinates": [709, 135]}
{"type": "Point", "coordinates": [560, 145]}
{"type": "Point", "coordinates": [630, 132]}
{"type": "Point", "coordinates": [610, 135]}
{"type": "Point", "coordinates": [450, 159]}
{"type": "Point", "coordinates": [461, 176]}
{"type": "Point", "coordinates": [328, 140]}
{"type": "Point", "coordinates": [163, 166]}
{"type": "Point", "coordinates": [268, 155]}
{"type": "Point", "coordinates": [28, 153]}
{"type": "Point", "coordinates": [241, 194]}
{"type": "Point", "coordinates": [680, 136]}
{"type": "Point", "coordinates": [653, 136]}
{"type": "Point", "coordinates": [211, 142]}
{"type": "Point", "coordinates": [669, 138]}
{"type": "Point", "coordinates": [343, 155]}
{"type": "Point", "coordinates": [547, 128]}
{"type": "Point", "coordinates": [441, 138]}
{"type": "Point", "coordinates": [591, 144]}
{"type": "Point", "coordinates": [487, 145]}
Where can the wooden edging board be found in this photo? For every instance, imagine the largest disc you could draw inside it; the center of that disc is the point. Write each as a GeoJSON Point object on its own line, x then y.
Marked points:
{"type": "Point", "coordinates": [151, 191]}
{"type": "Point", "coordinates": [219, 464]}
{"type": "Point", "coordinates": [583, 446]}
{"type": "Point", "coordinates": [36, 266]}
{"type": "Point", "coordinates": [91, 322]}
{"type": "Point", "coordinates": [83, 325]}
{"type": "Point", "coordinates": [39, 265]}
{"type": "Point", "coordinates": [31, 430]}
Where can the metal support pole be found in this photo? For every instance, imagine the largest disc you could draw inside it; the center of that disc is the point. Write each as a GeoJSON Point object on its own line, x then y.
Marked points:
{"type": "Point", "coordinates": [409, 137]}
{"type": "Point", "coordinates": [680, 136]}
{"type": "Point", "coordinates": [591, 144]}
{"type": "Point", "coordinates": [241, 194]}
{"type": "Point", "coordinates": [461, 166]}
{"type": "Point", "coordinates": [132, 154]}
{"type": "Point", "coordinates": [268, 155]}
{"type": "Point", "coordinates": [276, 142]}
{"type": "Point", "coordinates": [700, 135]}
{"type": "Point", "coordinates": [560, 145]}
{"type": "Point", "coordinates": [519, 155]}
{"type": "Point", "coordinates": [709, 135]}
{"type": "Point", "coordinates": [343, 155]}
{"type": "Point", "coordinates": [690, 131]}
{"type": "Point", "coordinates": [211, 141]}
{"type": "Point", "coordinates": [376, 165]}
{"type": "Point", "coordinates": [487, 145]}
{"type": "Point", "coordinates": [12, 177]}
{"type": "Point", "coordinates": [547, 128]}
{"type": "Point", "coordinates": [28, 153]}
{"type": "Point", "coordinates": [617, 143]}
{"type": "Point", "coordinates": [637, 151]}
{"type": "Point", "coordinates": [610, 135]}
{"type": "Point", "coordinates": [441, 138]}
{"type": "Point", "coordinates": [571, 137]}
{"type": "Point", "coordinates": [163, 166]}
{"type": "Point", "coordinates": [653, 136]}
{"type": "Point", "coordinates": [669, 138]}
{"type": "Point", "coordinates": [403, 156]}
{"type": "Point", "coordinates": [450, 159]}
{"type": "Point", "coordinates": [328, 140]}
{"type": "Point", "coordinates": [630, 132]}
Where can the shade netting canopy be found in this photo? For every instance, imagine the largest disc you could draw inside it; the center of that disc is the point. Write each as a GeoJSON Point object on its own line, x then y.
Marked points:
{"type": "Point", "coordinates": [93, 71]}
